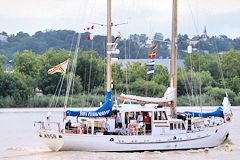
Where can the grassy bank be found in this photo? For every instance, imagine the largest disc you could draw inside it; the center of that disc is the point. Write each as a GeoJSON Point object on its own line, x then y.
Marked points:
{"type": "Point", "coordinates": [94, 101]}
{"type": "Point", "coordinates": [50, 100]}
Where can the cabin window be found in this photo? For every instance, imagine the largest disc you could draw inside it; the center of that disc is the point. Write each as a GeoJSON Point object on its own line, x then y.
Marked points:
{"type": "Point", "coordinates": [175, 126]}
{"type": "Point", "coordinates": [171, 126]}
{"type": "Point", "coordinates": [164, 116]}
{"type": "Point", "coordinates": [126, 113]}
{"type": "Point", "coordinates": [131, 115]}
{"type": "Point", "coordinates": [155, 115]}
{"type": "Point", "coordinates": [179, 125]}
{"type": "Point", "coordinates": [137, 113]}
{"type": "Point", "coordinates": [158, 115]}
{"type": "Point", "coordinates": [183, 127]}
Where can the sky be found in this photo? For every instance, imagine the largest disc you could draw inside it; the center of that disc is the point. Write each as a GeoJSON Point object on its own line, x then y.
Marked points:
{"type": "Point", "coordinates": [143, 16]}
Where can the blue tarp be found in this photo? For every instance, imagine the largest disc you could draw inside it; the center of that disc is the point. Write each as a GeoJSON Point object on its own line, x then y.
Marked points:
{"type": "Point", "coordinates": [217, 113]}
{"type": "Point", "coordinates": [104, 111]}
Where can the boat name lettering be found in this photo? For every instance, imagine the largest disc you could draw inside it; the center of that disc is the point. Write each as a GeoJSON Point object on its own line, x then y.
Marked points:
{"type": "Point", "coordinates": [94, 114]}
{"type": "Point", "coordinates": [50, 136]}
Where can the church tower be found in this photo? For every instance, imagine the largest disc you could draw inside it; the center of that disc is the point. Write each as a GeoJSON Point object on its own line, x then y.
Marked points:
{"type": "Point", "coordinates": [204, 35]}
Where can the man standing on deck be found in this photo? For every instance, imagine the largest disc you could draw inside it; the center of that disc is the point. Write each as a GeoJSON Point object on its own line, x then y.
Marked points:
{"type": "Point", "coordinates": [106, 127]}
{"type": "Point", "coordinates": [119, 121]}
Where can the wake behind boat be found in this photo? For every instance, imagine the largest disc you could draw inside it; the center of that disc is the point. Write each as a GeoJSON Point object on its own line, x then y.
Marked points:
{"type": "Point", "coordinates": [134, 127]}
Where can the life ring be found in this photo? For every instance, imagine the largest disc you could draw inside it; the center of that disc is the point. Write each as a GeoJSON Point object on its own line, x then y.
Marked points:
{"type": "Point", "coordinates": [134, 129]}
{"type": "Point", "coordinates": [80, 130]}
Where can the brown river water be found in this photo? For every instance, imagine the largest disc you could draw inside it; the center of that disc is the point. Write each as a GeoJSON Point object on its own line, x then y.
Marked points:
{"type": "Point", "coordinates": [19, 140]}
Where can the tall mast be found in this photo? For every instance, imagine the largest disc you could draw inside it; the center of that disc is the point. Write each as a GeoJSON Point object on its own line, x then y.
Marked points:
{"type": "Point", "coordinates": [109, 47]}
{"type": "Point", "coordinates": [173, 72]}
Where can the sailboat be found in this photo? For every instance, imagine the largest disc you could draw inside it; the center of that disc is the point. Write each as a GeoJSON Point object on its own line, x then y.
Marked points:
{"type": "Point", "coordinates": [97, 130]}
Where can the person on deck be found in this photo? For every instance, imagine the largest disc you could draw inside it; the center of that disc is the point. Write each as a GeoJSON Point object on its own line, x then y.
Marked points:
{"type": "Point", "coordinates": [140, 122]}
{"type": "Point", "coordinates": [68, 125]}
{"type": "Point", "coordinates": [119, 121]}
{"type": "Point", "coordinates": [123, 131]}
{"type": "Point", "coordinates": [147, 121]}
{"type": "Point", "coordinates": [106, 127]}
{"type": "Point", "coordinates": [140, 117]}
{"type": "Point", "coordinates": [127, 119]}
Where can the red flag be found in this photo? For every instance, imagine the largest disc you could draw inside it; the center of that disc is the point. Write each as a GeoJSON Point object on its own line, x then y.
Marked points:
{"type": "Point", "coordinates": [88, 28]}
{"type": "Point", "coordinates": [90, 37]}
{"type": "Point", "coordinates": [153, 54]}
{"type": "Point", "coordinates": [92, 27]}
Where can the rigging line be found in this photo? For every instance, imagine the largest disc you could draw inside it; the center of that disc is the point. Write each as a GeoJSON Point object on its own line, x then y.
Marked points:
{"type": "Point", "coordinates": [191, 76]}
{"type": "Point", "coordinates": [126, 67]}
{"type": "Point", "coordinates": [61, 79]}
{"type": "Point", "coordinates": [220, 66]}
{"type": "Point", "coordinates": [53, 97]}
{"type": "Point", "coordinates": [200, 79]}
{"type": "Point", "coordinates": [59, 91]}
{"type": "Point", "coordinates": [185, 84]}
{"type": "Point", "coordinates": [193, 18]}
{"type": "Point", "coordinates": [72, 42]}
{"type": "Point", "coordinates": [73, 66]}
{"type": "Point", "coordinates": [95, 75]}
{"type": "Point", "coordinates": [90, 72]}
{"type": "Point", "coordinates": [69, 67]}
{"type": "Point", "coordinates": [73, 84]}
{"type": "Point", "coordinates": [196, 28]}
{"type": "Point", "coordinates": [138, 52]}
{"type": "Point", "coordinates": [195, 84]}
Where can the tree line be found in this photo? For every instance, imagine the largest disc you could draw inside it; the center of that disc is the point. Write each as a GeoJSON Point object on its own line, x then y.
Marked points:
{"type": "Point", "coordinates": [136, 46]}
{"type": "Point", "coordinates": [202, 75]}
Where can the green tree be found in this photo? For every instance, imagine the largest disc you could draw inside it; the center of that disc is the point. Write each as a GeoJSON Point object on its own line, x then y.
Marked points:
{"type": "Point", "coordinates": [231, 64]}
{"type": "Point", "coordinates": [27, 63]}
{"type": "Point", "coordinates": [90, 68]}
{"type": "Point", "coordinates": [2, 60]}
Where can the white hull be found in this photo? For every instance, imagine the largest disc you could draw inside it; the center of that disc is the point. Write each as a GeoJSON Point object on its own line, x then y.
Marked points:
{"type": "Point", "coordinates": [210, 137]}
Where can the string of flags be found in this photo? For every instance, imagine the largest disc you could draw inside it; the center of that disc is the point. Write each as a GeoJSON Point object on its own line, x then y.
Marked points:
{"type": "Point", "coordinates": [152, 62]}
{"type": "Point", "coordinates": [90, 29]}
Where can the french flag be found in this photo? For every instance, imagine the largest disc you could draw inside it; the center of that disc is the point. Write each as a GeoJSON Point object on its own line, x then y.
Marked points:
{"type": "Point", "coordinates": [151, 63]}
{"type": "Point", "coordinates": [150, 72]}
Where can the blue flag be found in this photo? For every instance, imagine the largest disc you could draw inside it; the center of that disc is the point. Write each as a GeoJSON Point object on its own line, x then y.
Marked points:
{"type": "Point", "coordinates": [151, 63]}
{"type": "Point", "coordinates": [150, 72]}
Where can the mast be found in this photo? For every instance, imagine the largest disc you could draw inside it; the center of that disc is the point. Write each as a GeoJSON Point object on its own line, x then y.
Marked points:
{"type": "Point", "coordinates": [173, 71]}
{"type": "Point", "coordinates": [109, 47]}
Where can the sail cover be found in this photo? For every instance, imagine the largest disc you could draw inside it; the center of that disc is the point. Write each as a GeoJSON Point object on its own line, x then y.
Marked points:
{"type": "Point", "coordinates": [168, 97]}
{"type": "Point", "coordinates": [104, 111]}
{"type": "Point", "coordinates": [217, 113]}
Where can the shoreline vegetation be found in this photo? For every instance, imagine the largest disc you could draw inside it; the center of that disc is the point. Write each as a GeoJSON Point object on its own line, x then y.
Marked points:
{"type": "Point", "coordinates": [19, 86]}
{"type": "Point", "coordinates": [92, 101]}
{"type": "Point", "coordinates": [25, 82]}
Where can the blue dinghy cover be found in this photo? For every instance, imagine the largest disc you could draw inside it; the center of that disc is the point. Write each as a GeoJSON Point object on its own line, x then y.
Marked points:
{"type": "Point", "coordinates": [104, 111]}
{"type": "Point", "coordinates": [217, 113]}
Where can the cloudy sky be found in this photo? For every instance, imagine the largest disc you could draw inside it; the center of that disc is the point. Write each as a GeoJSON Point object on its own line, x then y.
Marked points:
{"type": "Point", "coordinates": [143, 16]}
